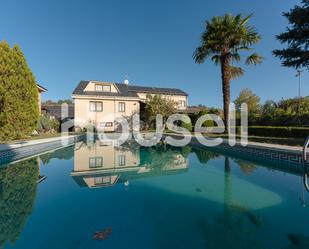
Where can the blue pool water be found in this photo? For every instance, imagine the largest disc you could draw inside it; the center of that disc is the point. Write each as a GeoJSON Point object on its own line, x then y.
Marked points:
{"type": "Point", "coordinates": [158, 197]}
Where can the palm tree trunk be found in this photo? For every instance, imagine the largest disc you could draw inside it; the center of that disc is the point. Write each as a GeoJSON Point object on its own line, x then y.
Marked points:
{"type": "Point", "coordinates": [226, 78]}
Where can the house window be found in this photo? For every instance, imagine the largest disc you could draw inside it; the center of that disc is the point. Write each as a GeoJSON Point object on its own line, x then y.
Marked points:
{"type": "Point", "coordinates": [95, 162]}
{"type": "Point", "coordinates": [106, 124]}
{"type": "Point", "coordinates": [102, 180]}
{"type": "Point", "coordinates": [98, 88]}
{"type": "Point", "coordinates": [102, 88]}
{"type": "Point", "coordinates": [95, 106]}
{"type": "Point", "coordinates": [181, 103]}
{"type": "Point", "coordinates": [106, 144]}
{"type": "Point", "coordinates": [122, 160]}
{"type": "Point", "coordinates": [106, 88]}
{"type": "Point", "coordinates": [122, 106]}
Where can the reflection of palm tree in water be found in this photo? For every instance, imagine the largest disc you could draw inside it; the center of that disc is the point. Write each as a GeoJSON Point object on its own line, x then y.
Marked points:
{"type": "Point", "coordinates": [227, 192]}
{"type": "Point", "coordinates": [237, 226]}
{"type": "Point", "coordinates": [232, 207]}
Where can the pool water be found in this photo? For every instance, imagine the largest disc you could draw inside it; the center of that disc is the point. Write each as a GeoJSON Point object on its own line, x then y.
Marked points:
{"type": "Point", "coordinates": [102, 195]}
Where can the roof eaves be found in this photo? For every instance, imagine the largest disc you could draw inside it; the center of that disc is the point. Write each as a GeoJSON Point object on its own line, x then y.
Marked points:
{"type": "Point", "coordinates": [43, 89]}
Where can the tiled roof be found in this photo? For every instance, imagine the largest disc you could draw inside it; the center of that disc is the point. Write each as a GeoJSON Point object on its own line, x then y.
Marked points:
{"type": "Point", "coordinates": [123, 91]}
{"type": "Point", "coordinates": [127, 90]}
{"type": "Point", "coordinates": [194, 109]}
{"type": "Point", "coordinates": [158, 90]}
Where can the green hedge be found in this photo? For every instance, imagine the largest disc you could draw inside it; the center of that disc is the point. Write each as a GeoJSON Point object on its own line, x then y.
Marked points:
{"type": "Point", "coordinates": [270, 131]}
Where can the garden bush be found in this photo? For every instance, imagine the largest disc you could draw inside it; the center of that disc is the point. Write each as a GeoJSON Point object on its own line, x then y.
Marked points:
{"type": "Point", "coordinates": [270, 131]}
{"type": "Point", "coordinates": [47, 124]}
{"type": "Point", "coordinates": [187, 126]}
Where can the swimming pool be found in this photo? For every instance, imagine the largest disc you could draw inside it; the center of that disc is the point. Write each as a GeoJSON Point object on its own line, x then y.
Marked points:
{"type": "Point", "coordinates": [102, 195]}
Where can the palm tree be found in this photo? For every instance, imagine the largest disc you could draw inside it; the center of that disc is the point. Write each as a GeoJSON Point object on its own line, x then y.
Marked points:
{"type": "Point", "coordinates": [222, 41]}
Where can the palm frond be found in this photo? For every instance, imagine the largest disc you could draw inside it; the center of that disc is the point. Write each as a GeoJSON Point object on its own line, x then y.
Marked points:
{"type": "Point", "coordinates": [200, 54]}
{"type": "Point", "coordinates": [246, 19]}
{"type": "Point", "coordinates": [216, 59]}
{"type": "Point", "coordinates": [236, 57]}
{"type": "Point", "coordinates": [245, 48]}
{"type": "Point", "coordinates": [236, 72]}
{"type": "Point", "coordinates": [254, 59]}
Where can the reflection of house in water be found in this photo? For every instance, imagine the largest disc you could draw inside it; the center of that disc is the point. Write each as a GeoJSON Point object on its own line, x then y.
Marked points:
{"type": "Point", "coordinates": [106, 163]}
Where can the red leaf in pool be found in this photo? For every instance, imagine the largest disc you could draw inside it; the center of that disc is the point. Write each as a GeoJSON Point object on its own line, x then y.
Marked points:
{"type": "Point", "coordinates": [102, 235]}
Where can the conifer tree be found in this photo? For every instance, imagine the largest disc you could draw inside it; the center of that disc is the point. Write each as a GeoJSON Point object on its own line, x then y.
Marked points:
{"type": "Point", "coordinates": [296, 37]}
{"type": "Point", "coordinates": [19, 110]}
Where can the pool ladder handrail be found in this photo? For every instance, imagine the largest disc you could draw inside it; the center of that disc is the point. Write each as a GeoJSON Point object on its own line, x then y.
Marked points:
{"type": "Point", "coordinates": [304, 155]}
{"type": "Point", "coordinates": [305, 150]}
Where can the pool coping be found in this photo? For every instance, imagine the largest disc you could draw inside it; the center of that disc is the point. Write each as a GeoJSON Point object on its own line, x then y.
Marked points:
{"type": "Point", "coordinates": [274, 152]}
{"type": "Point", "coordinates": [19, 144]}
{"type": "Point", "coordinates": [291, 156]}
{"type": "Point", "coordinates": [21, 150]}
{"type": "Point", "coordinates": [287, 148]}
{"type": "Point", "coordinates": [279, 147]}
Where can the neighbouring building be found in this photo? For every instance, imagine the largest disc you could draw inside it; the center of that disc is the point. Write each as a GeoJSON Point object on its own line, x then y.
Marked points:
{"type": "Point", "coordinates": [101, 103]}
{"type": "Point", "coordinates": [40, 91]}
{"type": "Point", "coordinates": [194, 109]}
{"type": "Point", "coordinates": [54, 110]}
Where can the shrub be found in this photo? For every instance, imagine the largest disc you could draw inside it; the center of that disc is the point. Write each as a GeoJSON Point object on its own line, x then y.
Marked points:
{"type": "Point", "coordinates": [19, 110]}
{"type": "Point", "coordinates": [270, 131]}
{"type": "Point", "coordinates": [157, 104]}
{"type": "Point", "coordinates": [208, 123]}
{"type": "Point", "coordinates": [47, 124]}
{"type": "Point", "coordinates": [188, 126]}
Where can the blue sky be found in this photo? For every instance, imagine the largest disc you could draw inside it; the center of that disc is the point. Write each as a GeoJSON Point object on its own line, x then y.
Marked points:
{"type": "Point", "coordinates": [151, 41]}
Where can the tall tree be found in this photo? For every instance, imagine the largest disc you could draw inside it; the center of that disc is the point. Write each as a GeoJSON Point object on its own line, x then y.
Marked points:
{"type": "Point", "coordinates": [252, 101]}
{"type": "Point", "coordinates": [296, 37]}
{"type": "Point", "coordinates": [269, 109]}
{"type": "Point", "coordinates": [156, 104]}
{"type": "Point", "coordinates": [222, 41]}
{"type": "Point", "coordinates": [19, 110]}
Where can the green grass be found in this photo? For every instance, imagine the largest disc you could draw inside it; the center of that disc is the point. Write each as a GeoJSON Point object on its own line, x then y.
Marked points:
{"type": "Point", "coordinates": [269, 140]}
